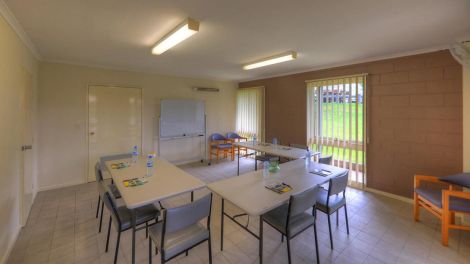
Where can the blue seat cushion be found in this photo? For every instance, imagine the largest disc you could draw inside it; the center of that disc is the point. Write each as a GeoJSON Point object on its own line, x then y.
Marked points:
{"type": "Point", "coordinates": [223, 146]}
{"type": "Point", "coordinates": [462, 179]}
{"type": "Point", "coordinates": [334, 203]}
{"type": "Point", "coordinates": [435, 197]}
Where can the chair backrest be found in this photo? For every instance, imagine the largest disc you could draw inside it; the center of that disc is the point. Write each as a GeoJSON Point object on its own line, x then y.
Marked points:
{"type": "Point", "coordinates": [103, 159]}
{"type": "Point", "coordinates": [232, 135]}
{"type": "Point", "coordinates": [181, 217]}
{"type": "Point", "coordinates": [298, 146]}
{"type": "Point", "coordinates": [110, 203]}
{"type": "Point", "coordinates": [326, 159]}
{"type": "Point", "coordinates": [98, 173]}
{"type": "Point", "coordinates": [338, 184]}
{"type": "Point", "coordinates": [303, 201]}
{"type": "Point", "coordinates": [217, 136]}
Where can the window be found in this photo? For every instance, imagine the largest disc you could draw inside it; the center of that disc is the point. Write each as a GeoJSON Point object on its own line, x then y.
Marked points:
{"type": "Point", "coordinates": [250, 112]}
{"type": "Point", "coordinates": [336, 121]}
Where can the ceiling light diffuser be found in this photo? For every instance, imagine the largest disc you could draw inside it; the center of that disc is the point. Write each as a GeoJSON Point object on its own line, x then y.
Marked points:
{"type": "Point", "coordinates": [291, 55]}
{"type": "Point", "coordinates": [183, 31]}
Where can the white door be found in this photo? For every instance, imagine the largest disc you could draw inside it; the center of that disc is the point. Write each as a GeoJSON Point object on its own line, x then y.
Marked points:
{"type": "Point", "coordinates": [114, 122]}
{"type": "Point", "coordinates": [26, 166]}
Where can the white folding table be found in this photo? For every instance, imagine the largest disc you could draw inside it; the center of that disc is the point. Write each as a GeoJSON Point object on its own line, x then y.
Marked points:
{"type": "Point", "coordinates": [272, 149]}
{"type": "Point", "coordinates": [248, 191]}
{"type": "Point", "coordinates": [166, 181]}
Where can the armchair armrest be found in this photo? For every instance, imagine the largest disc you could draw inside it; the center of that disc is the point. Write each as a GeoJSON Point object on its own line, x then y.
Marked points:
{"type": "Point", "coordinates": [447, 193]}
{"type": "Point", "coordinates": [426, 178]}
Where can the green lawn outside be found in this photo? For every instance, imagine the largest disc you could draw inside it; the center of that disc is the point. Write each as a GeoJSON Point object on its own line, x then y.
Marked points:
{"type": "Point", "coordinates": [337, 124]}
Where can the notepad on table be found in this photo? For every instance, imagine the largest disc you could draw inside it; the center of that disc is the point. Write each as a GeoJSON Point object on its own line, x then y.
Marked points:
{"type": "Point", "coordinates": [321, 172]}
{"type": "Point", "coordinates": [134, 182]}
{"type": "Point", "coordinates": [279, 187]}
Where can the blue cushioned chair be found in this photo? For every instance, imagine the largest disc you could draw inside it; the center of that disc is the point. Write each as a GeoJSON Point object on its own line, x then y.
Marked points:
{"type": "Point", "coordinates": [234, 137]}
{"type": "Point", "coordinates": [220, 145]}
{"type": "Point", "coordinates": [441, 197]}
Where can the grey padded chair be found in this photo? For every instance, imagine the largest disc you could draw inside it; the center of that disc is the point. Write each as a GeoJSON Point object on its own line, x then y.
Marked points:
{"type": "Point", "coordinates": [266, 157]}
{"type": "Point", "coordinates": [110, 186]}
{"type": "Point", "coordinates": [326, 159]}
{"type": "Point", "coordinates": [291, 219]}
{"type": "Point", "coordinates": [331, 200]}
{"type": "Point", "coordinates": [121, 217]}
{"type": "Point", "coordinates": [181, 229]}
{"type": "Point", "coordinates": [99, 176]}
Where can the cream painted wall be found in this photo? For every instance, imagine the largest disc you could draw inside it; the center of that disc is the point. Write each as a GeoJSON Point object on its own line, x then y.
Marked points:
{"type": "Point", "coordinates": [14, 58]}
{"type": "Point", "coordinates": [62, 105]}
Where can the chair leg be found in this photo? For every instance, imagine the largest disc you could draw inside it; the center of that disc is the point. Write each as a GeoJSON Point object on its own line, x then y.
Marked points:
{"type": "Point", "coordinates": [416, 207]}
{"type": "Point", "coordinates": [186, 253]}
{"type": "Point", "coordinates": [117, 247]}
{"type": "Point", "coordinates": [146, 229]}
{"type": "Point", "coordinates": [256, 165]}
{"type": "Point", "coordinates": [337, 218]}
{"type": "Point", "coordinates": [288, 250]}
{"type": "Point", "coordinates": [98, 206]}
{"type": "Point", "coordinates": [150, 251]}
{"type": "Point", "coordinates": [329, 228]}
{"type": "Point", "coordinates": [101, 217]}
{"type": "Point", "coordinates": [282, 238]}
{"type": "Point", "coordinates": [316, 241]}
{"type": "Point", "coordinates": [346, 216]}
{"type": "Point", "coordinates": [210, 249]}
{"type": "Point", "coordinates": [109, 232]}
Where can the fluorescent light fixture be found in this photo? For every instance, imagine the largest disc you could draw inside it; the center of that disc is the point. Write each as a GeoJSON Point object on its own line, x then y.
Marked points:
{"type": "Point", "coordinates": [183, 31]}
{"type": "Point", "coordinates": [287, 56]}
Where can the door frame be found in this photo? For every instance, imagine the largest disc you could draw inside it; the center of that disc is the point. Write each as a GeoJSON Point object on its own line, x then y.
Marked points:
{"type": "Point", "coordinates": [31, 92]}
{"type": "Point", "coordinates": [87, 134]}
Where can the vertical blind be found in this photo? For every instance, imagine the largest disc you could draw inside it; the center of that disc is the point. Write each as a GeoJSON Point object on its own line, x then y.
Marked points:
{"type": "Point", "coordinates": [250, 112]}
{"type": "Point", "coordinates": [336, 121]}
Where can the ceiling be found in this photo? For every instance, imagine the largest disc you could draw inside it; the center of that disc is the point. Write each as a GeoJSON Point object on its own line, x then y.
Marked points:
{"type": "Point", "coordinates": [120, 33]}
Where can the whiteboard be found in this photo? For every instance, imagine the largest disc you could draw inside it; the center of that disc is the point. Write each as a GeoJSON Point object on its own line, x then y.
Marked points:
{"type": "Point", "coordinates": [179, 118]}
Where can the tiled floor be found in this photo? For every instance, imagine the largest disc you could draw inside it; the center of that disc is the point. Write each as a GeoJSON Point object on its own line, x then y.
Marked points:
{"type": "Point", "coordinates": [62, 228]}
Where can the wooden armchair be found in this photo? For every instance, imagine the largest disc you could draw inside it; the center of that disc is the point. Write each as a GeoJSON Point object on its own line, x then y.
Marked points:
{"type": "Point", "coordinates": [219, 144]}
{"type": "Point", "coordinates": [443, 203]}
{"type": "Point", "coordinates": [234, 137]}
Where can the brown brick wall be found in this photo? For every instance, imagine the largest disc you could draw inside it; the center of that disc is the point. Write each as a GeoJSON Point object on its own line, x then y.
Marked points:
{"type": "Point", "coordinates": [415, 116]}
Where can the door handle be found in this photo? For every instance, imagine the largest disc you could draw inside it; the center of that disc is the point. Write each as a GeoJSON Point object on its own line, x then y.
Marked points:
{"type": "Point", "coordinates": [26, 147]}
{"type": "Point", "coordinates": [92, 133]}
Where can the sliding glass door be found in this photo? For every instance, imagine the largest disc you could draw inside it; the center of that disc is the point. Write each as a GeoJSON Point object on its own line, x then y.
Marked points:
{"type": "Point", "coordinates": [336, 122]}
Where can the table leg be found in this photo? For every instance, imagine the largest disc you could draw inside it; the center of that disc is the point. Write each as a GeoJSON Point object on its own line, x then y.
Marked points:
{"type": "Point", "coordinates": [133, 220]}
{"type": "Point", "coordinates": [238, 161]}
{"type": "Point", "coordinates": [222, 226]}
{"type": "Point", "coordinates": [260, 239]}
{"type": "Point", "coordinates": [192, 196]}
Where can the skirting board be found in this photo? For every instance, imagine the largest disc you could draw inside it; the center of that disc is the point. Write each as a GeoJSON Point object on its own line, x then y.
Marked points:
{"type": "Point", "coordinates": [10, 247]}
{"type": "Point", "coordinates": [389, 195]}
{"type": "Point", "coordinates": [57, 186]}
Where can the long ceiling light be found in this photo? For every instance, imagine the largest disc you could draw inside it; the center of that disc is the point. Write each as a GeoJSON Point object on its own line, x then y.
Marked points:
{"type": "Point", "coordinates": [183, 31]}
{"type": "Point", "coordinates": [291, 55]}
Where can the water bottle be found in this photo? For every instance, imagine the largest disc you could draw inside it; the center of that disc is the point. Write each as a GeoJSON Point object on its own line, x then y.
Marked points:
{"type": "Point", "coordinates": [254, 139]}
{"type": "Point", "coordinates": [135, 154]}
{"type": "Point", "coordinates": [266, 171]}
{"type": "Point", "coordinates": [308, 158]}
{"type": "Point", "coordinates": [275, 141]}
{"type": "Point", "coordinates": [149, 165]}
